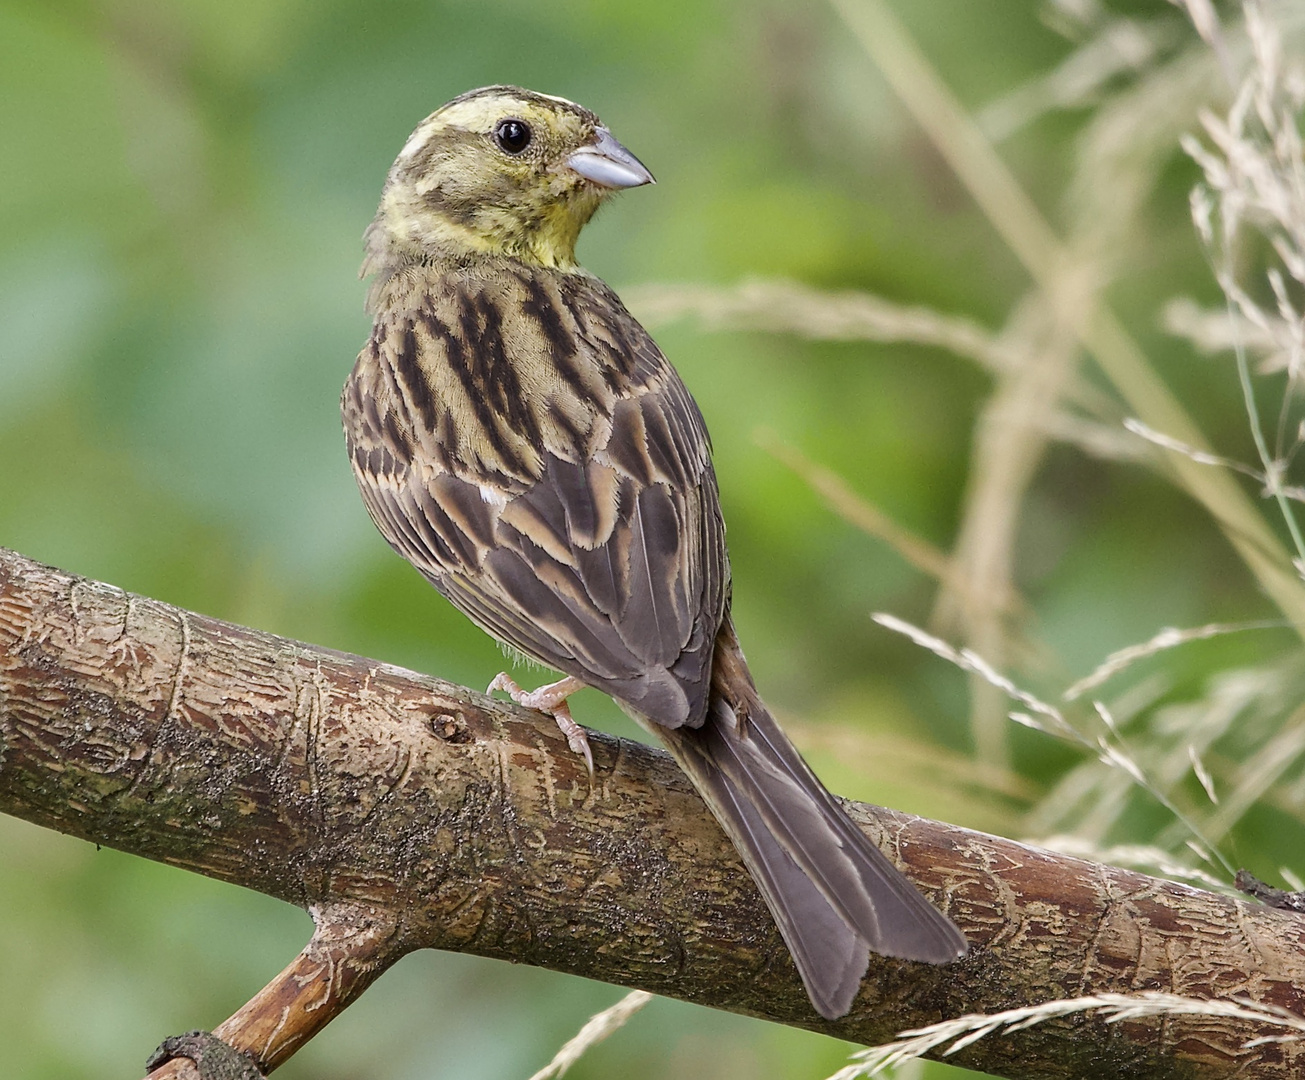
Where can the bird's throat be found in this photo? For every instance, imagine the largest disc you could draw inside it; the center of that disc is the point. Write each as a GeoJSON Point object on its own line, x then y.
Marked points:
{"type": "Point", "coordinates": [544, 236]}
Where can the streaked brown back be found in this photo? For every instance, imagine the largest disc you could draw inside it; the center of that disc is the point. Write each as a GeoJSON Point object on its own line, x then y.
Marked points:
{"type": "Point", "coordinates": [520, 438]}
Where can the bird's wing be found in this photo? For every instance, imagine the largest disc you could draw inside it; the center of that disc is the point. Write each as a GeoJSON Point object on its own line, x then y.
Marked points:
{"type": "Point", "coordinates": [525, 445]}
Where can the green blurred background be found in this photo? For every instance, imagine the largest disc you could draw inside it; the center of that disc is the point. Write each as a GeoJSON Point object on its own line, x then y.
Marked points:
{"type": "Point", "coordinates": [183, 188]}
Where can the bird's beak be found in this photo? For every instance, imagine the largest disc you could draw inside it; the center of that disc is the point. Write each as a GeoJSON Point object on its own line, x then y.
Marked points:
{"type": "Point", "coordinates": [609, 164]}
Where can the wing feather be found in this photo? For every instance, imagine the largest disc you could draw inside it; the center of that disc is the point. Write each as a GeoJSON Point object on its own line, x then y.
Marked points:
{"type": "Point", "coordinates": [606, 559]}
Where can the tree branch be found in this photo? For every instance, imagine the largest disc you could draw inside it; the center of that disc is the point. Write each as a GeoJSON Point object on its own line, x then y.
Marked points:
{"type": "Point", "coordinates": [408, 813]}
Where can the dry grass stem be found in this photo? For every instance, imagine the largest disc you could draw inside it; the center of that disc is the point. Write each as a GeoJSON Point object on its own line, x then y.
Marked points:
{"type": "Point", "coordinates": [1048, 718]}
{"type": "Point", "coordinates": [1069, 287]}
{"type": "Point", "coordinates": [1258, 774]}
{"type": "Point", "coordinates": [1105, 441]}
{"type": "Point", "coordinates": [1121, 154]}
{"type": "Point", "coordinates": [1202, 774]}
{"type": "Point", "coordinates": [598, 1027]}
{"type": "Point", "coordinates": [859, 512]}
{"type": "Point", "coordinates": [1109, 748]}
{"type": "Point", "coordinates": [789, 308]}
{"type": "Point", "coordinates": [1200, 457]}
{"type": "Point", "coordinates": [957, 137]}
{"type": "Point", "coordinates": [1217, 330]}
{"type": "Point", "coordinates": [1146, 857]}
{"type": "Point", "coordinates": [959, 788]}
{"type": "Point", "coordinates": [1254, 180]}
{"type": "Point", "coordinates": [1205, 20]}
{"type": "Point", "coordinates": [1009, 446]}
{"type": "Point", "coordinates": [949, 1036]}
{"type": "Point", "coordinates": [1121, 46]}
{"type": "Point", "coordinates": [1168, 638]}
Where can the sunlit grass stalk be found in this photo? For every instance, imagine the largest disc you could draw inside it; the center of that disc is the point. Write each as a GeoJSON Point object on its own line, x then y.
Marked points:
{"type": "Point", "coordinates": [1109, 750]}
{"type": "Point", "coordinates": [1272, 471]}
{"type": "Point", "coordinates": [596, 1029]}
{"type": "Point", "coordinates": [1168, 638]}
{"type": "Point", "coordinates": [1254, 168]}
{"type": "Point", "coordinates": [950, 1036]}
{"type": "Point", "coordinates": [1153, 860]}
{"type": "Point", "coordinates": [1069, 290]}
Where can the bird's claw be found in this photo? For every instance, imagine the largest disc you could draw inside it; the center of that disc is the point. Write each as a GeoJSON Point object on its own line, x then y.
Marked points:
{"type": "Point", "coordinates": [576, 737]}
{"type": "Point", "coordinates": [551, 699]}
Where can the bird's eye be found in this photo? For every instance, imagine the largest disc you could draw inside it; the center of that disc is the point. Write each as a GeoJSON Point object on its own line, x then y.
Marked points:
{"type": "Point", "coordinates": [512, 135]}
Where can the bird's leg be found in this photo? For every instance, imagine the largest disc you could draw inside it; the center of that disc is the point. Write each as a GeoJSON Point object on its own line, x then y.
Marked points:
{"type": "Point", "coordinates": [551, 699]}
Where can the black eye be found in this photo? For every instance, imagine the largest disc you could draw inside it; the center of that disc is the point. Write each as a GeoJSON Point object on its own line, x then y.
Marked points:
{"type": "Point", "coordinates": [512, 135]}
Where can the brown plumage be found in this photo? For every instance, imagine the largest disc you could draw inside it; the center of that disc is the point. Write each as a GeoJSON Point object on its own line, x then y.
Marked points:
{"type": "Point", "coordinates": [521, 440]}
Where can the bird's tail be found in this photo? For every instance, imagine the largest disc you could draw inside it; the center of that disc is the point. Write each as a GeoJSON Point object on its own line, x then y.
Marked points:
{"type": "Point", "coordinates": [833, 894]}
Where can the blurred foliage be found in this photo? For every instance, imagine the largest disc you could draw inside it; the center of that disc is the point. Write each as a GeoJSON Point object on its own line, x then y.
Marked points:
{"type": "Point", "coordinates": [183, 187]}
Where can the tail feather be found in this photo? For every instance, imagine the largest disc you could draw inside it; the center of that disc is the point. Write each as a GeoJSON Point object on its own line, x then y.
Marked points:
{"type": "Point", "coordinates": [835, 896]}
{"type": "Point", "coordinates": [909, 926]}
{"type": "Point", "coordinates": [831, 958]}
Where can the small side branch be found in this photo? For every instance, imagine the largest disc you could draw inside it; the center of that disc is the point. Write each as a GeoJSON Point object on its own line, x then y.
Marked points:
{"type": "Point", "coordinates": [353, 944]}
{"type": "Point", "coordinates": [406, 812]}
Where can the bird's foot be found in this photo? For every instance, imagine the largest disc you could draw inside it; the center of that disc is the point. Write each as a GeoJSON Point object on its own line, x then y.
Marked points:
{"type": "Point", "coordinates": [551, 699]}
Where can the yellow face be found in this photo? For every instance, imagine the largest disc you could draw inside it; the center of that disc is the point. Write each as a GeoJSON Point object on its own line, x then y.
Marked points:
{"type": "Point", "coordinates": [499, 171]}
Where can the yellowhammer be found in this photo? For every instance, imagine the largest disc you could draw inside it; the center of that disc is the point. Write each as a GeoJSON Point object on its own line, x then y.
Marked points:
{"type": "Point", "coordinates": [521, 440]}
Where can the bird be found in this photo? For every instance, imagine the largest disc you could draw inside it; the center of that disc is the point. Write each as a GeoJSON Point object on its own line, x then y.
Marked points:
{"type": "Point", "coordinates": [522, 441]}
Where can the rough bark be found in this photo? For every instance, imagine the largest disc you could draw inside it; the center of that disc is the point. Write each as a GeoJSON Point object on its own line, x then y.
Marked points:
{"type": "Point", "coordinates": [407, 813]}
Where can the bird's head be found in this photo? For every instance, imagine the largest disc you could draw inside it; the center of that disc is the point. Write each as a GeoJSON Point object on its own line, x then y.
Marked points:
{"type": "Point", "coordinates": [498, 171]}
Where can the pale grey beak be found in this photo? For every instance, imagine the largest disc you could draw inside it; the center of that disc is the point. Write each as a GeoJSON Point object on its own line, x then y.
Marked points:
{"type": "Point", "coordinates": [607, 163]}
